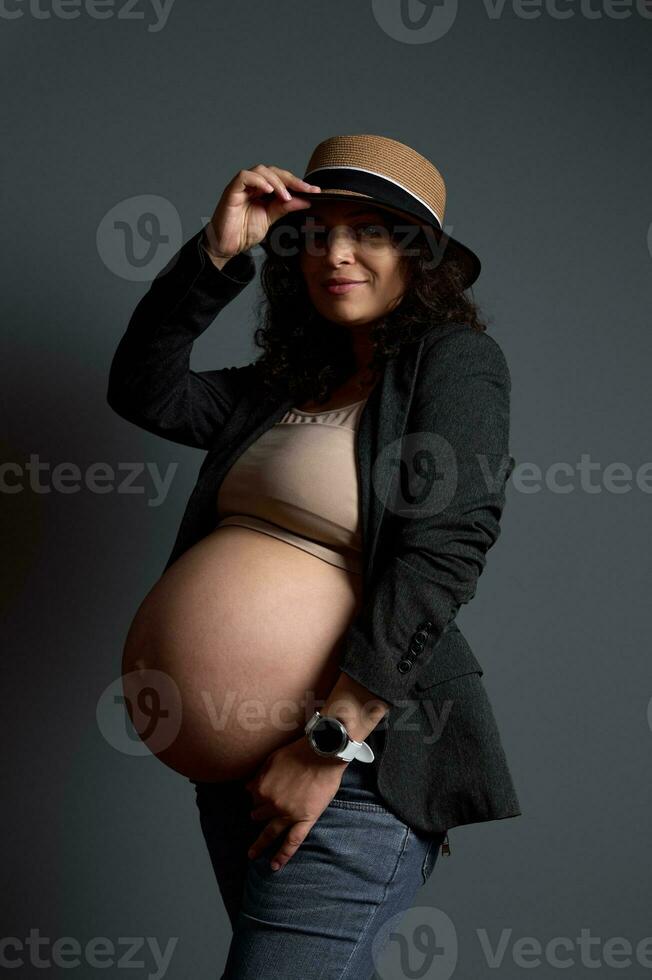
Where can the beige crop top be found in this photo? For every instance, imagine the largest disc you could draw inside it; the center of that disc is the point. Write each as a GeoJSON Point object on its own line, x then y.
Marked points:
{"type": "Point", "coordinates": [299, 482]}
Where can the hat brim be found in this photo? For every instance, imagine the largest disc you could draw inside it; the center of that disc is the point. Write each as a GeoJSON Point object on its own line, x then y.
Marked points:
{"type": "Point", "coordinates": [453, 250]}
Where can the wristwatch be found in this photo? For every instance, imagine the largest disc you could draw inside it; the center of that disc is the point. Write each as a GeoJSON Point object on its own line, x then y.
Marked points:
{"type": "Point", "coordinates": [328, 736]}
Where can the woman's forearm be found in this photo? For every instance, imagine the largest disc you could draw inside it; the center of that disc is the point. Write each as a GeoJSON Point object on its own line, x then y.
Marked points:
{"type": "Point", "coordinates": [219, 261]}
{"type": "Point", "coordinates": [355, 706]}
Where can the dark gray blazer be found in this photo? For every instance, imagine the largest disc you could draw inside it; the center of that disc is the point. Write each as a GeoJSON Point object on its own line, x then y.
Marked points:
{"type": "Point", "coordinates": [433, 461]}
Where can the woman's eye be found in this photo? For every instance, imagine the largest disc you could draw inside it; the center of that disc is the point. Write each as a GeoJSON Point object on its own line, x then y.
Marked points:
{"type": "Point", "coordinates": [371, 233]}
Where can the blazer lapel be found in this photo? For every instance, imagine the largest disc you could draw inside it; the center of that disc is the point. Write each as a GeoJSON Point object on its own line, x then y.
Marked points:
{"type": "Point", "coordinates": [381, 424]}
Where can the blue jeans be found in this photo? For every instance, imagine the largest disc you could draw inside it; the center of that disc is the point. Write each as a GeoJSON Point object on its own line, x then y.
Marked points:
{"type": "Point", "coordinates": [316, 918]}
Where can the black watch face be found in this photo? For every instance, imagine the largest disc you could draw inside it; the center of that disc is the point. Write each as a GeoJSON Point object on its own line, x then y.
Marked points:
{"type": "Point", "coordinates": [328, 736]}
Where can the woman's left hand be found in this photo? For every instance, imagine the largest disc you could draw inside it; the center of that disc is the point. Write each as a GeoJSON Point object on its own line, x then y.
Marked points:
{"type": "Point", "coordinates": [291, 790]}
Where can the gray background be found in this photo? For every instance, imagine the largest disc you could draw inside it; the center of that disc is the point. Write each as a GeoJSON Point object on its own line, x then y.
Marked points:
{"type": "Point", "coordinates": [541, 128]}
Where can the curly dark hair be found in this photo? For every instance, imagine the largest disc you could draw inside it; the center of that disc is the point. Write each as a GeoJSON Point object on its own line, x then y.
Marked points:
{"type": "Point", "coordinates": [307, 358]}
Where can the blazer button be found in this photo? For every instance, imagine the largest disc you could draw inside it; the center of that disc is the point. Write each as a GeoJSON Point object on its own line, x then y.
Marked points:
{"type": "Point", "coordinates": [404, 665]}
{"type": "Point", "coordinates": [421, 636]}
{"type": "Point", "coordinates": [428, 625]}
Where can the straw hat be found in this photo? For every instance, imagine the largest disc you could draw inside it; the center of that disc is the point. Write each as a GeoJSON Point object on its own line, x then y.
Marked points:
{"type": "Point", "coordinates": [393, 176]}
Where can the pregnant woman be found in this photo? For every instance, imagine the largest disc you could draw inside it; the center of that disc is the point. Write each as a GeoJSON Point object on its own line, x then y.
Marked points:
{"type": "Point", "coordinates": [301, 646]}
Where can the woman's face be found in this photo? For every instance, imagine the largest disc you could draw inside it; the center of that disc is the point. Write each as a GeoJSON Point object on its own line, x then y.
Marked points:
{"type": "Point", "coordinates": [350, 240]}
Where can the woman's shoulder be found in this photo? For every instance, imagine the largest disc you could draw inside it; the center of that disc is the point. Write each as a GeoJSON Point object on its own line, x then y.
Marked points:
{"type": "Point", "coordinates": [464, 346]}
{"type": "Point", "coordinates": [461, 335]}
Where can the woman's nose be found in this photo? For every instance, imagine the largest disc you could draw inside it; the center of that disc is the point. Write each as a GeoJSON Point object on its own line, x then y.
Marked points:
{"type": "Point", "coordinates": [340, 243]}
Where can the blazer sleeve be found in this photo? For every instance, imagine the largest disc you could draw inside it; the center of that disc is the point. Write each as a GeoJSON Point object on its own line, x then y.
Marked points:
{"type": "Point", "coordinates": [150, 380]}
{"type": "Point", "coordinates": [456, 441]}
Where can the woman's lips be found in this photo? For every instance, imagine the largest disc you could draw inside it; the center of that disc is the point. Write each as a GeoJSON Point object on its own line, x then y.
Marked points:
{"type": "Point", "coordinates": [343, 287]}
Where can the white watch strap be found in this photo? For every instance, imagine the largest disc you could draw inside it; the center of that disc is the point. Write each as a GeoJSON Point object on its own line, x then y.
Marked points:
{"type": "Point", "coordinates": [356, 750]}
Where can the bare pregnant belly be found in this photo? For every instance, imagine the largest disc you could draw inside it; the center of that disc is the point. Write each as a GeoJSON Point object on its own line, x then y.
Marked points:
{"type": "Point", "coordinates": [232, 650]}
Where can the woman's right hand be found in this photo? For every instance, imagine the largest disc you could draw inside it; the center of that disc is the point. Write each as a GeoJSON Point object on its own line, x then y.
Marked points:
{"type": "Point", "coordinates": [249, 204]}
